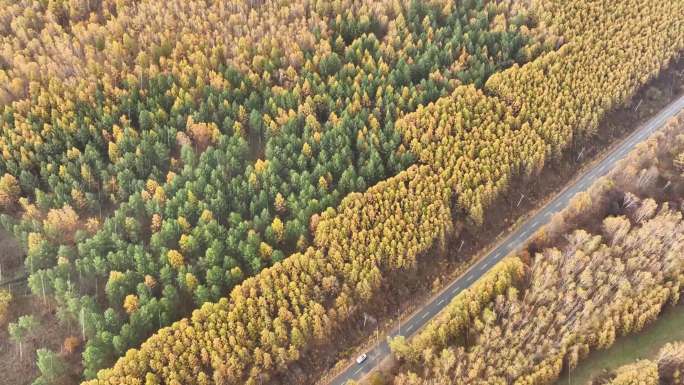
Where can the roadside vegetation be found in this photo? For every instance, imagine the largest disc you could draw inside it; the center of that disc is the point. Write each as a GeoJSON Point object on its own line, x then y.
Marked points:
{"type": "Point", "coordinates": [157, 154]}
{"type": "Point", "coordinates": [604, 268]}
{"type": "Point", "coordinates": [349, 249]}
{"type": "Point", "coordinates": [209, 192]}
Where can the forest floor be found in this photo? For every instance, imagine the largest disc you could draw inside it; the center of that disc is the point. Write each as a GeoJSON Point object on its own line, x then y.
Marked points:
{"type": "Point", "coordinates": [11, 257]}
{"type": "Point", "coordinates": [50, 333]}
{"type": "Point", "coordinates": [524, 198]}
{"type": "Point", "coordinates": [626, 350]}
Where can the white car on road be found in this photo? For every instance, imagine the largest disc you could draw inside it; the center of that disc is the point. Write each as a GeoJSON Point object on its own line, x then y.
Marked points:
{"type": "Point", "coordinates": [361, 358]}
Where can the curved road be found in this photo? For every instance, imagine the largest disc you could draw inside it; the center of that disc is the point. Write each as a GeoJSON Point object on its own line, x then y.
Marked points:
{"type": "Point", "coordinates": [512, 242]}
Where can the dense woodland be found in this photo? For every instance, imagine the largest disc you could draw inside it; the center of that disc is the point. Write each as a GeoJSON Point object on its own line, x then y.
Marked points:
{"type": "Point", "coordinates": [147, 185]}
{"type": "Point", "coordinates": [274, 165]}
{"type": "Point", "coordinates": [384, 230]}
{"type": "Point", "coordinates": [606, 267]}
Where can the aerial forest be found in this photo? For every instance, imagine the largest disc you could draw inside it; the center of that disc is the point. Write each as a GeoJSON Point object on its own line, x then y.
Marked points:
{"type": "Point", "coordinates": [209, 192]}
{"type": "Point", "coordinates": [603, 268]}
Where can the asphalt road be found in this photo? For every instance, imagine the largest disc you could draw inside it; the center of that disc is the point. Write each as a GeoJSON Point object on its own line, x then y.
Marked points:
{"type": "Point", "coordinates": [511, 243]}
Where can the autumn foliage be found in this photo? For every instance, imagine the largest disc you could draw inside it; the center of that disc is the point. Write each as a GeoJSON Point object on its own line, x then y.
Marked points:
{"type": "Point", "coordinates": [469, 146]}
{"type": "Point", "coordinates": [579, 298]}
{"type": "Point", "coordinates": [206, 136]}
{"type": "Point", "coordinates": [580, 293]}
{"type": "Point", "coordinates": [318, 147]}
{"type": "Point", "coordinates": [5, 300]}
